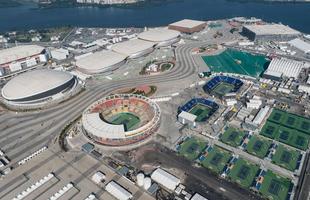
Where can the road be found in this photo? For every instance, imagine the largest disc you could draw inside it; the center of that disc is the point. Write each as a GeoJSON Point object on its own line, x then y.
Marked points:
{"type": "Point", "coordinates": [24, 132]}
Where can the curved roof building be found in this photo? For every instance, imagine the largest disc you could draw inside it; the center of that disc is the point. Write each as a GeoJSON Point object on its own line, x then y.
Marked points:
{"type": "Point", "coordinates": [37, 86]}
{"type": "Point", "coordinates": [121, 119]}
{"type": "Point", "coordinates": [161, 36]}
{"type": "Point", "coordinates": [100, 62]}
{"type": "Point", "coordinates": [134, 48]}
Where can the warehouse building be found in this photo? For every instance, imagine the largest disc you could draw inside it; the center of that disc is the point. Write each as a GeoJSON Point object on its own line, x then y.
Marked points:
{"type": "Point", "coordinates": [188, 26]}
{"type": "Point", "coordinates": [21, 57]}
{"type": "Point", "coordinates": [165, 179]}
{"type": "Point", "coordinates": [300, 45]}
{"type": "Point", "coordinates": [284, 67]}
{"type": "Point", "coordinates": [161, 36]}
{"type": "Point", "coordinates": [134, 48]}
{"type": "Point", "coordinates": [118, 191]}
{"type": "Point", "coordinates": [37, 88]}
{"type": "Point", "coordinates": [270, 32]}
{"type": "Point", "coordinates": [100, 62]}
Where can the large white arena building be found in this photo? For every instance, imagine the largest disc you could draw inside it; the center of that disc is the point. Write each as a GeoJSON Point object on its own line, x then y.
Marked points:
{"type": "Point", "coordinates": [134, 48]}
{"type": "Point", "coordinates": [20, 57]}
{"type": "Point", "coordinates": [37, 88]}
{"type": "Point", "coordinates": [161, 36]}
{"type": "Point", "coordinates": [271, 32]}
{"type": "Point", "coordinates": [120, 120]}
{"type": "Point", "coordinates": [100, 62]}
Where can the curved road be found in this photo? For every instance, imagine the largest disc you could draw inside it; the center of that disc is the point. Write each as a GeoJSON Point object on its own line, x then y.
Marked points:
{"type": "Point", "coordinates": [25, 132]}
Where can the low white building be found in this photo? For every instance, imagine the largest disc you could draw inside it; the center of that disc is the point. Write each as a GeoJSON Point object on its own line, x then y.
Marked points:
{"type": "Point", "coordinates": [231, 102]}
{"type": "Point", "coordinates": [259, 118]}
{"type": "Point", "coordinates": [59, 54]}
{"type": "Point", "coordinates": [98, 177]}
{"type": "Point", "coordinates": [165, 179]}
{"type": "Point", "coordinates": [254, 103]}
{"type": "Point", "coordinates": [304, 88]}
{"type": "Point", "coordinates": [198, 197]}
{"type": "Point", "coordinates": [118, 191]}
{"type": "Point", "coordinates": [187, 118]}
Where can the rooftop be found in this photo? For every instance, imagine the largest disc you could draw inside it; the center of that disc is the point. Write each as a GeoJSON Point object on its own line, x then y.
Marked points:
{"type": "Point", "coordinates": [100, 60]}
{"type": "Point", "coordinates": [19, 52]}
{"type": "Point", "coordinates": [272, 29]}
{"type": "Point", "coordinates": [159, 35]}
{"type": "Point", "coordinates": [131, 47]}
{"type": "Point", "coordinates": [34, 82]}
{"type": "Point", "coordinates": [188, 23]}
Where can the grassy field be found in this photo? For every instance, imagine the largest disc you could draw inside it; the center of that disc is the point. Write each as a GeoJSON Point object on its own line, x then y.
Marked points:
{"type": "Point", "coordinates": [129, 120]}
{"type": "Point", "coordinates": [233, 61]}
{"type": "Point", "coordinates": [223, 88]}
{"type": "Point", "coordinates": [232, 137]}
{"type": "Point", "coordinates": [258, 146]}
{"type": "Point", "coordinates": [243, 173]}
{"type": "Point", "coordinates": [286, 157]}
{"type": "Point", "coordinates": [275, 187]}
{"type": "Point", "coordinates": [192, 147]}
{"type": "Point", "coordinates": [216, 159]}
{"type": "Point", "coordinates": [201, 111]}
{"type": "Point", "coordinates": [286, 128]}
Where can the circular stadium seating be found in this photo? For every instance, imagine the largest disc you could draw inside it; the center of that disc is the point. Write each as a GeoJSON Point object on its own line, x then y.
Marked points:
{"type": "Point", "coordinates": [104, 132]}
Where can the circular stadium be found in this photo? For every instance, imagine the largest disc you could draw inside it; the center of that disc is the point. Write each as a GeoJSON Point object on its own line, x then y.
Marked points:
{"type": "Point", "coordinates": [37, 87]}
{"type": "Point", "coordinates": [121, 119]}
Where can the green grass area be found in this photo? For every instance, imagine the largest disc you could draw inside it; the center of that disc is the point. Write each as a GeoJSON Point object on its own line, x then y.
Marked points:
{"type": "Point", "coordinates": [286, 157]}
{"type": "Point", "coordinates": [258, 146]}
{"type": "Point", "coordinates": [233, 61]}
{"type": "Point", "coordinates": [243, 173]}
{"type": "Point", "coordinates": [287, 128]}
{"type": "Point", "coordinates": [232, 137]}
{"type": "Point", "coordinates": [129, 120]}
{"type": "Point", "coordinates": [275, 187]}
{"type": "Point", "coordinates": [192, 147]}
{"type": "Point", "coordinates": [222, 88]}
{"type": "Point", "coordinates": [216, 159]}
{"type": "Point", "coordinates": [201, 111]}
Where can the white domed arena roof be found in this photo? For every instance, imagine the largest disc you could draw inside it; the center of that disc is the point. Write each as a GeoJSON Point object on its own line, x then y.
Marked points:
{"type": "Point", "coordinates": [34, 83]}
{"type": "Point", "coordinates": [159, 35]}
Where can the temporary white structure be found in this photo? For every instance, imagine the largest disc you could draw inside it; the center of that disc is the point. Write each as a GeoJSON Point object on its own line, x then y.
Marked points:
{"type": "Point", "coordinates": [118, 191]}
{"type": "Point", "coordinates": [165, 179]}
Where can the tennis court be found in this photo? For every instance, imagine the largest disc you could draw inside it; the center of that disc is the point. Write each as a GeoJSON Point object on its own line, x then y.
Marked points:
{"type": "Point", "coordinates": [233, 137]}
{"type": "Point", "coordinates": [216, 159]}
{"type": "Point", "coordinates": [258, 146]}
{"type": "Point", "coordinates": [287, 128]}
{"type": "Point", "coordinates": [285, 157]}
{"type": "Point", "coordinates": [129, 120]}
{"type": "Point", "coordinates": [243, 173]}
{"type": "Point", "coordinates": [233, 61]}
{"type": "Point", "coordinates": [201, 111]}
{"type": "Point", "coordinates": [275, 187]}
{"type": "Point", "coordinates": [223, 88]}
{"type": "Point", "coordinates": [192, 147]}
